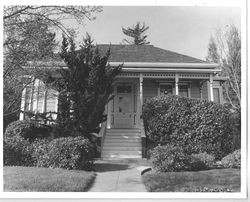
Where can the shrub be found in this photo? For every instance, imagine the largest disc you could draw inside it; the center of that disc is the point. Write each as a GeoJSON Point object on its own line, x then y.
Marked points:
{"type": "Point", "coordinates": [66, 152]}
{"type": "Point", "coordinates": [26, 129]}
{"type": "Point", "coordinates": [207, 189]}
{"type": "Point", "coordinates": [207, 160]}
{"type": "Point", "coordinates": [169, 158]}
{"type": "Point", "coordinates": [195, 125]}
{"type": "Point", "coordinates": [232, 160]}
{"type": "Point", "coordinates": [17, 152]}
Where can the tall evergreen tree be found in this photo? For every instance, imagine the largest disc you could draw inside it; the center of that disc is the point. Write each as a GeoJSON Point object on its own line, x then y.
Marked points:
{"type": "Point", "coordinates": [85, 88]}
{"type": "Point", "coordinates": [137, 32]}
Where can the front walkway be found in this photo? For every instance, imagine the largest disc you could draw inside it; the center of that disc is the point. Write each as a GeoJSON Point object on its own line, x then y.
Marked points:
{"type": "Point", "coordinates": [119, 176]}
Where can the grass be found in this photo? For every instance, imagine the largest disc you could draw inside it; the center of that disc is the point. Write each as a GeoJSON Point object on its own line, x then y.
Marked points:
{"type": "Point", "coordinates": [190, 181]}
{"type": "Point", "coordinates": [30, 179]}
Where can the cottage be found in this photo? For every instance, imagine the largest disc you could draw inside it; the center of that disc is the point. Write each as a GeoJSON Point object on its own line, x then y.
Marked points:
{"type": "Point", "coordinates": [148, 71]}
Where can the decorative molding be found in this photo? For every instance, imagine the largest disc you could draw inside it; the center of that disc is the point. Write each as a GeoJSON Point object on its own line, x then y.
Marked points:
{"type": "Point", "coordinates": [128, 74]}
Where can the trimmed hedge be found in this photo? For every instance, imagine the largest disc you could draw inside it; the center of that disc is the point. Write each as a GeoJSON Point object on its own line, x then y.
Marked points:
{"type": "Point", "coordinates": [66, 152]}
{"type": "Point", "coordinates": [27, 129]}
{"type": "Point", "coordinates": [195, 125]}
{"type": "Point", "coordinates": [17, 152]}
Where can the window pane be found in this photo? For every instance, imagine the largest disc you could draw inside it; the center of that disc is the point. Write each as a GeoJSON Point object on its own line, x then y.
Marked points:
{"type": "Point", "coordinates": [124, 89]}
{"type": "Point", "coordinates": [183, 90]}
{"type": "Point", "coordinates": [216, 95]}
{"type": "Point", "coordinates": [124, 104]}
{"type": "Point", "coordinates": [27, 97]}
{"type": "Point", "coordinates": [166, 89]}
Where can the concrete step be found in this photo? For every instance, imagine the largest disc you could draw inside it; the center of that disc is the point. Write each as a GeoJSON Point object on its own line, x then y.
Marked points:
{"type": "Point", "coordinates": [135, 130]}
{"type": "Point", "coordinates": [138, 153]}
{"type": "Point", "coordinates": [120, 156]}
{"type": "Point", "coordinates": [122, 143]}
{"type": "Point", "coordinates": [121, 138]}
{"type": "Point", "coordinates": [121, 148]}
{"type": "Point", "coordinates": [124, 134]}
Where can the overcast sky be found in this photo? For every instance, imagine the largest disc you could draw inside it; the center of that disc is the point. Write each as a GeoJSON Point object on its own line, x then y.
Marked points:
{"type": "Point", "coordinates": [181, 29]}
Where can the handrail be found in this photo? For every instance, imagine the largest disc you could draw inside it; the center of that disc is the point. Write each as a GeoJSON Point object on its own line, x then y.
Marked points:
{"type": "Point", "coordinates": [142, 129]}
{"type": "Point", "coordinates": [143, 141]}
{"type": "Point", "coordinates": [102, 133]}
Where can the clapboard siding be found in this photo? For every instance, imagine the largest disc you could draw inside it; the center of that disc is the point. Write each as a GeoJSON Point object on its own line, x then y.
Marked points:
{"type": "Point", "coordinates": [195, 90]}
{"type": "Point", "coordinates": [150, 89]}
{"type": "Point", "coordinates": [205, 90]}
{"type": "Point", "coordinates": [51, 101]}
{"type": "Point", "coordinates": [33, 99]}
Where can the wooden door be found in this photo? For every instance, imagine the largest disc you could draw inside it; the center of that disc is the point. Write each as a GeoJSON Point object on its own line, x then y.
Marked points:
{"type": "Point", "coordinates": [123, 106]}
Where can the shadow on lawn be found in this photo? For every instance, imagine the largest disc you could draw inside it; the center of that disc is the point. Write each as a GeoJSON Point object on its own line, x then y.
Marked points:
{"type": "Point", "coordinates": [106, 167]}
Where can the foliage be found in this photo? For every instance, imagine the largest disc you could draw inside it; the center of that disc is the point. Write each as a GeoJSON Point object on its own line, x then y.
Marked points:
{"type": "Point", "coordinates": [225, 49]}
{"type": "Point", "coordinates": [207, 189]}
{"type": "Point", "coordinates": [137, 32]}
{"type": "Point", "coordinates": [169, 158]}
{"type": "Point", "coordinates": [22, 43]}
{"type": "Point", "coordinates": [195, 125]}
{"type": "Point", "coordinates": [206, 159]}
{"type": "Point", "coordinates": [17, 152]}
{"type": "Point", "coordinates": [67, 152]}
{"type": "Point", "coordinates": [85, 88]}
{"type": "Point", "coordinates": [235, 121]}
{"type": "Point", "coordinates": [28, 35]}
{"type": "Point", "coordinates": [27, 129]}
{"type": "Point", "coordinates": [232, 160]}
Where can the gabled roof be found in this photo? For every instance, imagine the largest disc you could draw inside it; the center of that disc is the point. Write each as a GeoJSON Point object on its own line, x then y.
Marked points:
{"type": "Point", "coordinates": [145, 53]}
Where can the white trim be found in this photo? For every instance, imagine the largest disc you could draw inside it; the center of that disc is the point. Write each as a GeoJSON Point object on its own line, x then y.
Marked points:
{"type": "Point", "coordinates": [165, 64]}
{"type": "Point", "coordinates": [153, 69]}
{"type": "Point", "coordinates": [23, 100]}
{"type": "Point", "coordinates": [44, 107]}
{"type": "Point", "coordinates": [176, 84]}
{"type": "Point", "coordinates": [124, 69]}
{"type": "Point", "coordinates": [211, 87]}
{"type": "Point", "coordinates": [142, 64]}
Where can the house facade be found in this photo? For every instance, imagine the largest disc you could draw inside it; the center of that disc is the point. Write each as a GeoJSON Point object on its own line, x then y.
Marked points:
{"type": "Point", "coordinates": [147, 72]}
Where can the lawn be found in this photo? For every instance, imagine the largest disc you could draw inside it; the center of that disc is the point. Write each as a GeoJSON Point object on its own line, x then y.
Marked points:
{"type": "Point", "coordinates": [29, 179]}
{"type": "Point", "coordinates": [190, 181]}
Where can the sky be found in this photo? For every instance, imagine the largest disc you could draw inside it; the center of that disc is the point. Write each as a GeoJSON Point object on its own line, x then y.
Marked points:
{"type": "Point", "coordinates": [183, 29]}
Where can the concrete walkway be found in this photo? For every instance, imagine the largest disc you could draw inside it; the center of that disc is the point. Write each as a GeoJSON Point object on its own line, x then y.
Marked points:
{"type": "Point", "coordinates": [119, 176]}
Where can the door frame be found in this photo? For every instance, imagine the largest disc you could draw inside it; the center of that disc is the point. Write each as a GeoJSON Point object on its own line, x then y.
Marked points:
{"type": "Point", "coordinates": [134, 104]}
{"type": "Point", "coordinates": [116, 104]}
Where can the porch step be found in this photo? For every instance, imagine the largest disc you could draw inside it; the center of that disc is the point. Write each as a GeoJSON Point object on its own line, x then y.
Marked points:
{"type": "Point", "coordinates": [122, 143]}
{"type": "Point", "coordinates": [120, 156]}
{"type": "Point", "coordinates": [125, 143]}
{"type": "Point", "coordinates": [121, 148]}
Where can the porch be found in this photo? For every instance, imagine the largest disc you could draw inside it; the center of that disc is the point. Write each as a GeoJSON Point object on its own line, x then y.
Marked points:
{"type": "Point", "coordinates": [123, 135]}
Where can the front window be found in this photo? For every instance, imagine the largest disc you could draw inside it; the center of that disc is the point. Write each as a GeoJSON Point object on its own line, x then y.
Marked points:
{"type": "Point", "coordinates": [183, 90]}
{"type": "Point", "coordinates": [166, 89]}
{"type": "Point", "coordinates": [216, 93]}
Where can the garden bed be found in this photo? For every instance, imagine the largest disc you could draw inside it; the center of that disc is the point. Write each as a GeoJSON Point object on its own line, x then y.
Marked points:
{"type": "Point", "coordinates": [209, 180]}
{"type": "Point", "coordinates": [31, 179]}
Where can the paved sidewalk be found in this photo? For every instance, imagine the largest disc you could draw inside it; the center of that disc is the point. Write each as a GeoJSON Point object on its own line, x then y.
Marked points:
{"type": "Point", "coordinates": [119, 176]}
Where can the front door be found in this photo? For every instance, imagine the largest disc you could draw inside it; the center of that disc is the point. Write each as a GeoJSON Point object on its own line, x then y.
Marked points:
{"type": "Point", "coordinates": [123, 106]}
